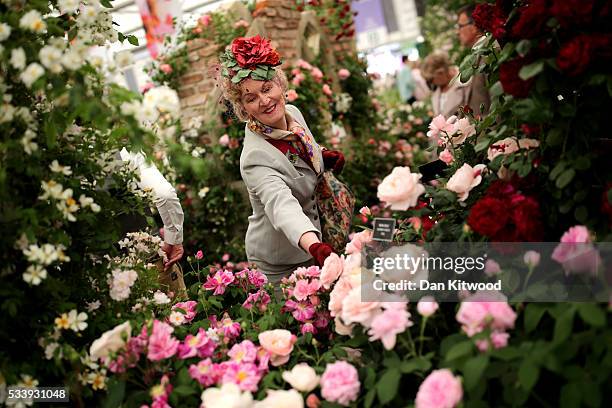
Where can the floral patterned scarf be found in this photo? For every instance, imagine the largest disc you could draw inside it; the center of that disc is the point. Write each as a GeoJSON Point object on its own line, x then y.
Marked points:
{"type": "Point", "coordinates": [296, 134]}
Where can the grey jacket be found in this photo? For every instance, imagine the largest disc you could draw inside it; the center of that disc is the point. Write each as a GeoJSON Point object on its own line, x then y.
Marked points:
{"type": "Point", "coordinates": [283, 202]}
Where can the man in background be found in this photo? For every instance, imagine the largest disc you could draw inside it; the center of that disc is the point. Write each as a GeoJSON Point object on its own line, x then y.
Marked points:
{"type": "Point", "coordinates": [405, 82]}
{"type": "Point", "coordinates": [471, 36]}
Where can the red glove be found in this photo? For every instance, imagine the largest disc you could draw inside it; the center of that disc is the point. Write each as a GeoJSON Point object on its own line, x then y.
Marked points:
{"type": "Point", "coordinates": [320, 251]}
{"type": "Point", "coordinates": [333, 160]}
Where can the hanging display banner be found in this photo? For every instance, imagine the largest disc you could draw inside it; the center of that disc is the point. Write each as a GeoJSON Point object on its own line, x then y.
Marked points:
{"type": "Point", "coordinates": [157, 20]}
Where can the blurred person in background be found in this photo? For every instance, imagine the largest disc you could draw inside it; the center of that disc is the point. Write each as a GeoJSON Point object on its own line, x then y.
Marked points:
{"type": "Point", "coordinates": [449, 92]}
{"type": "Point", "coordinates": [405, 81]}
{"type": "Point", "coordinates": [421, 89]}
{"type": "Point", "coordinates": [470, 36]}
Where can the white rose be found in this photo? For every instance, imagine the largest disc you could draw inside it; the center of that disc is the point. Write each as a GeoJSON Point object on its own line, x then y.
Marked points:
{"type": "Point", "coordinates": [31, 74]}
{"type": "Point", "coordinates": [68, 6]}
{"type": "Point", "coordinates": [5, 31]}
{"type": "Point", "coordinates": [401, 189]}
{"type": "Point", "coordinates": [228, 396]}
{"type": "Point", "coordinates": [51, 57]}
{"type": "Point", "coordinates": [161, 298]}
{"type": "Point", "coordinates": [110, 341]}
{"type": "Point", "coordinates": [302, 377]}
{"type": "Point", "coordinates": [72, 60]}
{"type": "Point", "coordinates": [123, 59]}
{"type": "Point", "coordinates": [32, 20]}
{"type": "Point", "coordinates": [18, 58]}
{"type": "Point", "coordinates": [465, 179]}
{"type": "Point", "coordinates": [281, 399]}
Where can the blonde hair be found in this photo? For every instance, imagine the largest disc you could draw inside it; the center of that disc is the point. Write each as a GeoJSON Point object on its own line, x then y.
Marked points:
{"type": "Point", "coordinates": [433, 62]}
{"type": "Point", "coordinates": [232, 92]}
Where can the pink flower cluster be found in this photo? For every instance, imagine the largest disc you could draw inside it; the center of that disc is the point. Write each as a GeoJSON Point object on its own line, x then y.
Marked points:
{"type": "Point", "coordinates": [259, 299]}
{"type": "Point", "coordinates": [576, 252]}
{"type": "Point", "coordinates": [340, 383]}
{"type": "Point", "coordinates": [245, 368]}
{"type": "Point", "coordinates": [226, 327]}
{"type": "Point", "coordinates": [487, 310]}
{"type": "Point", "coordinates": [301, 290]}
{"type": "Point", "coordinates": [161, 393]}
{"type": "Point", "coordinates": [441, 389]}
{"type": "Point", "coordinates": [200, 345]}
{"type": "Point", "coordinates": [218, 281]}
{"type": "Point", "coordinates": [302, 66]}
{"type": "Point", "coordinates": [189, 308]}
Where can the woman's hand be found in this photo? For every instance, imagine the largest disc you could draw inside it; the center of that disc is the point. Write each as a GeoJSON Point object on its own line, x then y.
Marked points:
{"type": "Point", "coordinates": [320, 251]}
{"type": "Point", "coordinates": [333, 160]}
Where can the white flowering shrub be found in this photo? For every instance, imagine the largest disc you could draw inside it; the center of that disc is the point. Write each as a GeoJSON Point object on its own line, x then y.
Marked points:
{"type": "Point", "coordinates": [63, 192]}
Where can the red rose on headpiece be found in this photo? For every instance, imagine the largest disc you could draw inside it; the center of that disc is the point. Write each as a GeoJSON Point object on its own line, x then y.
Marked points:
{"type": "Point", "coordinates": [253, 51]}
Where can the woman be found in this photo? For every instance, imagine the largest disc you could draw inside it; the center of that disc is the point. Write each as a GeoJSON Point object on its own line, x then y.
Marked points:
{"type": "Point", "coordinates": [450, 93]}
{"type": "Point", "coordinates": [280, 163]}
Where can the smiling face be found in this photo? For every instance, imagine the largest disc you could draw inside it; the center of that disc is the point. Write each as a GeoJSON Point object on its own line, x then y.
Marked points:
{"type": "Point", "coordinates": [264, 100]}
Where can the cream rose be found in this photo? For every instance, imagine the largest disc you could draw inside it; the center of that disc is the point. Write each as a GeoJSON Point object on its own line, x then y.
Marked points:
{"type": "Point", "coordinates": [465, 179]}
{"type": "Point", "coordinates": [110, 341]}
{"type": "Point", "coordinates": [332, 269]}
{"type": "Point", "coordinates": [279, 343]}
{"type": "Point", "coordinates": [281, 399]}
{"type": "Point", "coordinates": [302, 377]}
{"type": "Point", "coordinates": [510, 145]}
{"type": "Point", "coordinates": [229, 396]}
{"type": "Point", "coordinates": [401, 189]}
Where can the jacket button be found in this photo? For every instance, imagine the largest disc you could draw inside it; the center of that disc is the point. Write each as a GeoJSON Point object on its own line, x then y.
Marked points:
{"type": "Point", "coordinates": [316, 217]}
{"type": "Point", "coordinates": [314, 207]}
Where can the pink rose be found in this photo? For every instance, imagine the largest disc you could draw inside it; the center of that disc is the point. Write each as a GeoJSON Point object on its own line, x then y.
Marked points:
{"type": "Point", "coordinates": [465, 179]}
{"type": "Point", "coordinates": [339, 292]}
{"type": "Point", "coordinates": [292, 95]}
{"type": "Point", "coordinates": [401, 189]}
{"type": "Point", "coordinates": [416, 223]}
{"type": "Point", "coordinates": [427, 306]}
{"type": "Point", "coordinates": [224, 140]}
{"type": "Point", "coordinates": [241, 23]}
{"type": "Point", "coordinates": [354, 310]}
{"type": "Point", "coordinates": [225, 257]}
{"type": "Point", "coordinates": [492, 268]}
{"type": "Point", "coordinates": [304, 288]}
{"type": "Point", "coordinates": [510, 145]}
{"type": "Point", "coordinates": [446, 156]}
{"type": "Point", "coordinates": [387, 325]}
{"type": "Point", "coordinates": [189, 307]}
{"type": "Point", "coordinates": [358, 241]}
{"type": "Point", "coordinates": [332, 269]}
{"type": "Point", "coordinates": [576, 253]}
{"type": "Point", "coordinates": [204, 20]}
{"type": "Point", "coordinates": [166, 68]}
{"type": "Point", "coordinates": [344, 73]}
{"type": "Point", "coordinates": [439, 390]}
{"type": "Point", "coordinates": [161, 343]}
{"type": "Point", "coordinates": [316, 74]}
{"type": "Point", "coordinates": [531, 259]}
{"type": "Point", "coordinates": [199, 255]}
{"type": "Point", "coordinates": [279, 343]}
{"type": "Point", "coordinates": [340, 383]}
{"type": "Point", "coordinates": [462, 129]}
{"type": "Point", "coordinates": [365, 211]}
{"type": "Point", "coordinates": [485, 309]}
{"type": "Point", "coordinates": [303, 64]}
{"type": "Point", "coordinates": [498, 339]}
{"type": "Point", "coordinates": [440, 124]}
{"type": "Point", "coordinates": [327, 90]}
{"type": "Point", "coordinates": [297, 80]}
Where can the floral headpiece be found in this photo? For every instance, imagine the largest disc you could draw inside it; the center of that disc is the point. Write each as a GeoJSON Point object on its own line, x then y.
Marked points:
{"type": "Point", "coordinates": [253, 56]}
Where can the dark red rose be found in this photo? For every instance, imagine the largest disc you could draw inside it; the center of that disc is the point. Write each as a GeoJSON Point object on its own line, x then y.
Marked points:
{"type": "Point", "coordinates": [572, 12]}
{"type": "Point", "coordinates": [510, 80]}
{"type": "Point", "coordinates": [488, 216]}
{"type": "Point", "coordinates": [526, 217]}
{"type": "Point", "coordinates": [500, 189]}
{"type": "Point", "coordinates": [575, 55]}
{"type": "Point", "coordinates": [491, 19]}
{"type": "Point", "coordinates": [532, 19]}
{"type": "Point", "coordinates": [531, 130]}
{"type": "Point", "coordinates": [253, 51]}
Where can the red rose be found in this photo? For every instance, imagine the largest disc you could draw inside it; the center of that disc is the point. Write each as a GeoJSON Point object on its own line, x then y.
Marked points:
{"type": "Point", "coordinates": [532, 19]}
{"type": "Point", "coordinates": [510, 80]}
{"type": "Point", "coordinates": [575, 55]}
{"type": "Point", "coordinates": [491, 19]}
{"type": "Point", "coordinates": [572, 12]}
{"type": "Point", "coordinates": [500, 189]}
{"type": "Point", "coordinates": [527, 218]}
{"type": "Point", "coordinates": [488, 216]}
{"type": "Point", "coordinates": [253, 51]}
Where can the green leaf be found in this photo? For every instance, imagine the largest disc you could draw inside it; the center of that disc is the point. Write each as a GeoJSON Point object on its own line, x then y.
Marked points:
{"type": "Point", "coordinates": [533, 315]}
{"type": "Point", "coordinates": [523, 47]}
{"type": "Point", "coordinates": [115, 393]}
{"type": "Point", "coordinates": [581, 213]}
{"type": "Point", "coordinates": [555, 137]}
{"type": "Point", "coordinates": [132, 39]}
{"type": "Point", "coordinates": [531, 70]}
{"type": "Point", "coordinates": [415, 364]}
{"type": "Point", "coordinates": [106, 3]}
{"type": "Point", "coordinates": [592, 314]}
{"type": "Point", "coordinates": [565, 178]}
{"type": "Point", "coordinates": [482, 144]}
{"type": "Point", "coordinates": [528, 374]}
{"type": "Point", "coordinates": [386, 388]}
{"type": "Point", "coordinates": [570, 395]}
{"type": "Point", "coordinates": [183, 390]}
{"type": "Point", "coordinates": [496, 89]}
{"type": "Point", "coordinates": [459, 350]}
{"type": "Point", "coordinates": [564, 325]}
{"type": "Point", "coordinates": [369, 398]}
{"type": "Point", "coordinates": [582, 163]}
{"type": "Point", "coordinates": [473, 370]}
{"type": "Point", "coordinates": [507, 353]}
{"type": "Point", "coordinates": [507, 51]}
{"type": "Point", "coordinates": [557, 170]}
